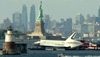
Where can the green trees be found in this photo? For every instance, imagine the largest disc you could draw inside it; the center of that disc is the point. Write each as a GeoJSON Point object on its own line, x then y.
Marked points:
{"type": "Point", "coordinates": [2, 33]}
{"type": "Point", "coordinates": [16, 33]}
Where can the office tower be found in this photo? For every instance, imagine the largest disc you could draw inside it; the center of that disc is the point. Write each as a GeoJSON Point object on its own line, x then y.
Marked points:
{"type": "Point", "coordinates": [80, 19]}
{"type": "Point", "coordinates": [17, 24]}
{"type": "Point", "coordinates": [69, 23]}
{"type": "Point", "coordinates": [99, 12]}
{"type": "Point", "coordinates": [61, 22]}
{"type": "Point", "coordinates": [32, 18]}
{"type": "Point", "coordinates": [16, 18]}
{"type": "Point", "coordinates": [29, 26]}
{"type": "Point", "coordinates": [88, 19]}
{"type": "Point", "coordinates": [47, 22]}
{"type": "Point", "coordinates": [24, 20]}
{"type": "Point", "coordinates": [68, 27]}
{"type": "Point", "coordinates": [6, 23]}
{"type": "Point", "coordinates": [93, 19]}
{"type": "Point", "coordinates": [53, 24]}
{"type": "Point", "coordinates": [88, 16]}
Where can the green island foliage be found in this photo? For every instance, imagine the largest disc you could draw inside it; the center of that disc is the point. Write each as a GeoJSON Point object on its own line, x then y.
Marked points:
{"type": "Point", "coordinates": [16, 33]}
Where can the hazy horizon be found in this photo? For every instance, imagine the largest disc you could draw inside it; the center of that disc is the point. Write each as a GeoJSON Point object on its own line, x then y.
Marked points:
{"type": "Point", "coordinates": [56, 9]}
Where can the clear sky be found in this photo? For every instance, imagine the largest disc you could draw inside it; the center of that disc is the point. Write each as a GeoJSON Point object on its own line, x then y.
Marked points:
{"type": "Point", "coordinates": [57, 9]}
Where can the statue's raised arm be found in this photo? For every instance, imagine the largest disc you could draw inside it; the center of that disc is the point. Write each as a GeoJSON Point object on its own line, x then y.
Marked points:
{"type": "Point", "coordinates": [40, 16]}
{"type": "Point", "coordinates": [40, 10]}
{"type": "Point", "coordinates": [40, 5]}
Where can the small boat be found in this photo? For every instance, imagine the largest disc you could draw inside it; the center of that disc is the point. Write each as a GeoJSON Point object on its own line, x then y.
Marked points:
{"type": "Point", "coordinates": [62, 55]}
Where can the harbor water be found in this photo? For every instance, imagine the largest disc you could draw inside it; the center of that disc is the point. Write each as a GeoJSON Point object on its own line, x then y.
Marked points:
{"type": "Point", "coordinates": [50, 53]}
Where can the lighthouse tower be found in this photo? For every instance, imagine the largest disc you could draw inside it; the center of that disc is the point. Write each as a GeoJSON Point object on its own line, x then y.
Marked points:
{"type": "Point", "coordinates": [9, 45]}
{"type": "Point", "coordinates": [9, 39]}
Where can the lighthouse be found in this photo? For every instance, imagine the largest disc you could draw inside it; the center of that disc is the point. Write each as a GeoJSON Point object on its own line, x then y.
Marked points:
{"type": "Point", "coordinates": [9, 45]}
{"type": "Point", "coordinates": [9, 39]}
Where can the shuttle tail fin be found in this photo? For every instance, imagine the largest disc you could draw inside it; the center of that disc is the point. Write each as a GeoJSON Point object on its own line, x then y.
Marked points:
{"type": "Point", "coordinates": [72, 36]}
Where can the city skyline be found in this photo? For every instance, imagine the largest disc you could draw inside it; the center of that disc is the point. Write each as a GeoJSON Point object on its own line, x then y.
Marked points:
{"type": "Point", "coordinates": [57, 9]}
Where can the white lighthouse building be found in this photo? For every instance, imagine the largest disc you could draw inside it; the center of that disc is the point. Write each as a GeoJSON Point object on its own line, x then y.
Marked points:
{"type": "Point", "coordinates": [9, 45]}
{"type": "Point", "coordinates": [9, 36]}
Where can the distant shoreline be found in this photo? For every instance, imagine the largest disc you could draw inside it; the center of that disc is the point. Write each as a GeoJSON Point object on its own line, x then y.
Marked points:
{"type": "Point", "coordinates": [22, 40]}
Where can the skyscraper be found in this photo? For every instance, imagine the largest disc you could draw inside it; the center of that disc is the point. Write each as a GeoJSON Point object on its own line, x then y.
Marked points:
{"type": "Point", "coordinates": [6, 23]}
{"type": "Point", "coordinates": [24, 20]}
{"type": "Point", "coordinates": [17, 22]}
{"type": "Point", "coordinates": [16, 18]}
{"type": "Point", "coordinates": [99, 12]}
{"type": "Point", "coordinates": [47, 22]}
{"type": "Point", "coordinates": [68, 23]}
{"type": "Point", "coordinates": [80, 19]}
{"type": "Point", "coordinates": [32, 18]}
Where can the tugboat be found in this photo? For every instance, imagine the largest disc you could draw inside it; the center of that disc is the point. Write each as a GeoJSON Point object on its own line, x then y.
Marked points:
{"type": "Point", "coordinates": [85, 44]}
{"type": "Point", "coordinates": [92, 46]}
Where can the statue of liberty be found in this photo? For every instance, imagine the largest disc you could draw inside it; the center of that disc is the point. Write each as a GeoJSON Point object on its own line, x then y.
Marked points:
{"type": "Point", "coordinates": [40, 13]}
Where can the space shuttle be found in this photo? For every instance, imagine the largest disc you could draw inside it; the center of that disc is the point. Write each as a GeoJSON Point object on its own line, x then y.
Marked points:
{"type": "Point", "coordinates": [69, 42]}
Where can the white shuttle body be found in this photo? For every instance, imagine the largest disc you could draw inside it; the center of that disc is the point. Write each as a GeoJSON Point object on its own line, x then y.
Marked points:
{"type": "Point", "coordinates": [69, 42]}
